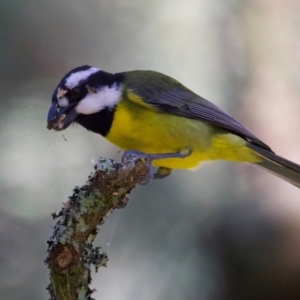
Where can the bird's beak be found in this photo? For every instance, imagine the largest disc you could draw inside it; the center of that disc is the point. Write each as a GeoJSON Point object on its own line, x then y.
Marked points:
{"type": "Point", "coordinates": [60, 118]}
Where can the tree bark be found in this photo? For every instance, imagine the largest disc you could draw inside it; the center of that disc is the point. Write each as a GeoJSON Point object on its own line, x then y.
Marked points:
{"type": "Point", "coordinates": [70, 247]}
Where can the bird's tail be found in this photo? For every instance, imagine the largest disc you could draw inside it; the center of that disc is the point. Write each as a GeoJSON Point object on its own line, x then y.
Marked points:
{"type": "Point", "coordinates": [277, 165]}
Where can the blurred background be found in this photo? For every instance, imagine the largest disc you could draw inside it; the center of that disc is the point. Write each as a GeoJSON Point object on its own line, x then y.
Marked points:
{"type": "Point", "coordinates": [226, 231]}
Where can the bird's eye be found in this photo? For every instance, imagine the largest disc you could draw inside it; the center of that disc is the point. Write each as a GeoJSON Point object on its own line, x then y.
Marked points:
{"type": "Point", "coordinates": [75, 93]}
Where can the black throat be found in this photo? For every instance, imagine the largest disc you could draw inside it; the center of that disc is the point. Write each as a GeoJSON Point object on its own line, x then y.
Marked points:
{"type": "Point", "coordinates": [99, 122]}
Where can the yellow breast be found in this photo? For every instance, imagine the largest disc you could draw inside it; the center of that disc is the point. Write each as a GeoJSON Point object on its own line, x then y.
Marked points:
{"type": "Point", "coordinates": [140, 128]}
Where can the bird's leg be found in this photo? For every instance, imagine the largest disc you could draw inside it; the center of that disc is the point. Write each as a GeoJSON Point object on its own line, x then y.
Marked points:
{"type": "Point", "coordinates": [127, 155]}
{"type": "Point", "coordinates": [162, 172]}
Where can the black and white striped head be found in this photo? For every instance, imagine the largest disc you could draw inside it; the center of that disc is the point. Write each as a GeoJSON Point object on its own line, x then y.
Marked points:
{"type": "Point", "coordinates": [83, 91]}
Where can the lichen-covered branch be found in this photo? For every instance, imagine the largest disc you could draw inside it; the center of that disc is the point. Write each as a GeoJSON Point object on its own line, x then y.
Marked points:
{"type": "Point", "coordinates": [70, 249]}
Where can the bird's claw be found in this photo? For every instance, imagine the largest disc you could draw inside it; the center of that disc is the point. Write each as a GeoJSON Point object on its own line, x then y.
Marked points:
{"type": "Point", "coordinates": [130, 157]}
{"type": "Point", "coordinates": [124, 202]}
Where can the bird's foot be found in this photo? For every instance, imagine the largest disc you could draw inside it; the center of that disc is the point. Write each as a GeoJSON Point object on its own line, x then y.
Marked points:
{"type": "Point", "coordinates": [131, 156]}
{"type": "Point", "coordinates": [162, 172]}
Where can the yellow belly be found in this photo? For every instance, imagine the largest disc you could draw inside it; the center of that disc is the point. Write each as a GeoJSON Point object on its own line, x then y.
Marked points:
{"type": "Point", "coordinates": [144, 130]}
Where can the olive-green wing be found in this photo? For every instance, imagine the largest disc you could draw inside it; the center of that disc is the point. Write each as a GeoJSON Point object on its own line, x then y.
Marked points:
{"type": "Point", "coordinates": [169, 96]}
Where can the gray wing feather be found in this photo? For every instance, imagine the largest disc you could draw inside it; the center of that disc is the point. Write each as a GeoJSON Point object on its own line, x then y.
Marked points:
{"type": "Point", "coordinates": [170, 96]}
{"type": "Point", "coordinates": [279, 166]}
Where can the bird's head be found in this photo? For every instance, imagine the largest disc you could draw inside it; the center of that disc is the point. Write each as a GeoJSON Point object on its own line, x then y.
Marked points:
{"type": "Point", "coordinates": [82, 93]}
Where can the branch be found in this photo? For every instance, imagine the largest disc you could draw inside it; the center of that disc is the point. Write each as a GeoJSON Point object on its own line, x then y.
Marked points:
{"type": "Point", "coordinates": [70, 249]}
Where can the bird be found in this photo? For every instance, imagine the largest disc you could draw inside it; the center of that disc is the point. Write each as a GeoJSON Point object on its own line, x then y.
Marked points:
{"type": "Point", "coordinates": [153, 117]}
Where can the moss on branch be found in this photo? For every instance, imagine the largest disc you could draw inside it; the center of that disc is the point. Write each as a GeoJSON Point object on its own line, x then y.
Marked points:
{"type": "Point", "coordinates": [70, 247]}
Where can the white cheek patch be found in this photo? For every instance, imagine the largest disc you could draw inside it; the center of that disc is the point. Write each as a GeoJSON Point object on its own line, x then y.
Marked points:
{"type": "Point", "coordinates": [63, 102]}
{"type": "Point", "coordinates": [75, 78]}
{"type": "Point", "coordinates": [105, 97]}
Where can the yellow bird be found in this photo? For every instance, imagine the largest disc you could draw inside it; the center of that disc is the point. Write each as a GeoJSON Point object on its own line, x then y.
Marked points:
{"type": "Point", "coordinates": [153, 116]}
